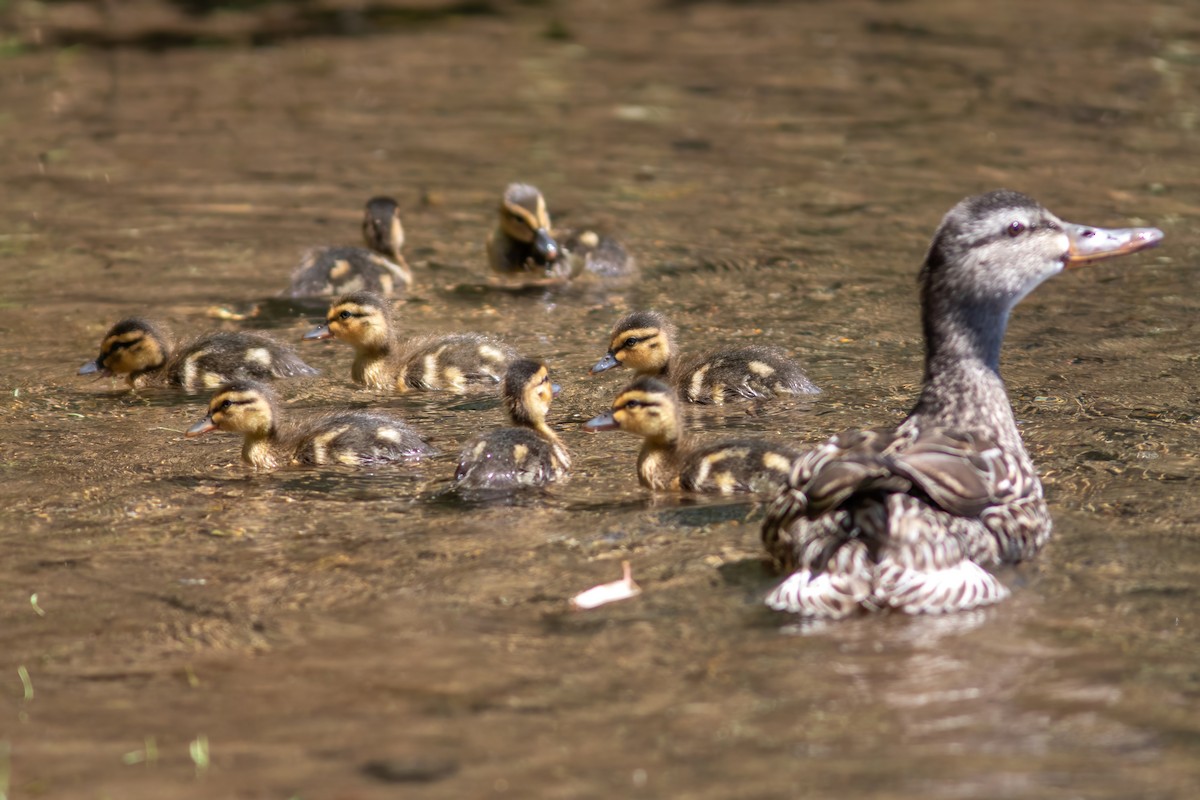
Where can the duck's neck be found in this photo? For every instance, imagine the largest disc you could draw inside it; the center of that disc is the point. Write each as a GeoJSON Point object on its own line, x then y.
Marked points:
{"type": "Point", "coordinates": [258, 450]}
{"type": "Point", "coordinates": [962, 386]}
{"type": "Point", "coordinates": [659, 461]}
{"type": "Point", "coordinates": [547, 433]}
{"type": "Point", "coordinates": [370, 366]}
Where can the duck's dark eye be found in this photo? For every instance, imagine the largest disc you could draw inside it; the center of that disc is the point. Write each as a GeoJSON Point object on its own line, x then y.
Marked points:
{"type": "Point", "coordinates": [630, 342]}
{"type": "Point", "coordinates": [1016, 228]}
{"type": "Point", "coordinates": [632, 404]}
{"type": "Point", "coordinates": [345, 315]}
{"type": "Point", "coordinates": [225, 405]}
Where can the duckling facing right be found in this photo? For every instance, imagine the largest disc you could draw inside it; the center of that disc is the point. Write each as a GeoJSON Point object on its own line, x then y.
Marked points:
{"type": "Point", "coordinates": [349, 437]}
{"type": "Point", "coordinates": [143, 352]}
{"type": "Point", "coordinates": [645, 341]}
{"type": "Point", "coordinates": [668, 460]}
{"type": "Point", "coordinates": [528, 454]}
{"type": "Point", "coordinates": [379, 267]}
{"type": "Point", "coordinates": [454, 361]}
{"type": "Point", "coordinates": [524, 244]}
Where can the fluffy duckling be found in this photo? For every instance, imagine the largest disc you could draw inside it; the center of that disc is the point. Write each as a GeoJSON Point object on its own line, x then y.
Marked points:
{"type": "Point", "coordinates": [528, 454]}
{"type": "Point", "coordinates": [908, 518]}
{"type": "Point", "coordinates": [524, 244]}
{"type": "Point", "coordinates": [645, 342]}
{"type": "Point", "coordinates": [378, 267]}
{"type": "Point", "coordinates": [349, 437]}
{"type": "Point", "coordinates": [668, 460]}
{"type": "Point", "coordinates": [455, 361]}
{"type": "Point", "coordinates": [142, 351]}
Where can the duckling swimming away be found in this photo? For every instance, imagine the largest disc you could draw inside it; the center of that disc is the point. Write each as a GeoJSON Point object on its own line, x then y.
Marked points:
{"type": "Point", "coordinates": [528, 454]}
{"type": "Point", "coordinates": [669, 460]}
{"type": "Point", "coordinates": [456, 362]}
{"type": "Point", "coordinates": [644, 341]}
{"type": "Point", "coordinates": [523, 243]}
{"type": "Point", "coordinates": [142, 351]}
{"type": "Point", "coordinates": [379, 267]}
{"type": "Point", "coordinates": [348, 437]}
{"type": "Point", "coordinates": [906, 518]}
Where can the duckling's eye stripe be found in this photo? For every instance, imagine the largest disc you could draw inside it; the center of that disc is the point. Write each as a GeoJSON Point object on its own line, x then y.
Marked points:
{"type": "Point", "coordinates": [630, 342]}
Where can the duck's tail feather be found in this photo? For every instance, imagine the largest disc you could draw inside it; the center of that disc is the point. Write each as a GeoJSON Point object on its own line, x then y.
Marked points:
{"type": "Point", "coordinates": [956, 587]}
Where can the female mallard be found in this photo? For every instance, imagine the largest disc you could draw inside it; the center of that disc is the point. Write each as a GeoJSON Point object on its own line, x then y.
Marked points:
{"type": "Point", "coordinates": [524, 244]}
{"type": "Point", "coordinates": [143, 352]}
{"type": "Point", "coordinates": [453, 361]}
{"type": "Point", "coordinates": [527, 454]}
{"type": "Point", "coordinates": [350, 437]}
{"type": "Point", "coordinates": [645, 342]}
{"type": "Point", "coordinates": [378, 267]}
{"type": "Point", "coordinates": [669, 460]}
{"type": "Point", "coordinates": [905, 518]}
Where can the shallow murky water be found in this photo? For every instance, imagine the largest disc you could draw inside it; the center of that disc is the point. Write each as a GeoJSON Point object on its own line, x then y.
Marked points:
{"type": "Point", "coordinates": [777, 169]}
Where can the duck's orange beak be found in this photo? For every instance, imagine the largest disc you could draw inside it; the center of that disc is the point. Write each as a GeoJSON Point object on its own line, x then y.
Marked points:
{"type": "Point", "coordinates": [1090, 244]}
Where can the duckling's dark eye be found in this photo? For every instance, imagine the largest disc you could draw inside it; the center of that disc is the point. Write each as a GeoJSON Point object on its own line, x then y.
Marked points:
{"type": "Point", "coordinates": [1016, 228]}
{"type": "Point", "coordinates": [225, 405]}
{"type": "Point", "coordinates": [632, 404]}
{"type": "Point", "coordinates": [345, 315]}
{"type": "Point", "coordinates": [630, 342]}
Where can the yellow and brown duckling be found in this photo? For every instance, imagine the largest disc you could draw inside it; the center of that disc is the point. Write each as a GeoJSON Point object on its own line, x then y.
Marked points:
{"type": "Point", "coordinates": [143, 352]}
{"type": "Point", "coordinates": [378, 267]}
{"type": "Point", "coordinates": [524, 243]}
{"type": "Point", "coordinates": [644, 341]}
{"type": "Point", "coordinates": [348, 437]}
{"type": "Point", "coordinates": [527, 454]}
{"type": "Point", "coordinates": [669, 460]}
{"type": "Point", "coordinates": [455, 362]}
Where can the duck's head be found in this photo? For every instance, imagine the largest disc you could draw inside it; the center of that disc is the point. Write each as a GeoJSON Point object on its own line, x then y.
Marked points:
{"type": "Point", "coordinates": [362, 319]}
{"type": "Point", "coordinates": [381, 226]}
{"type": "Point", "coordinates": [641, 341]}
{"type": "Point", "coordinates": [239, 407]}
{"type": "Point", "coordinates": [523, 217]}
{"type": "Point", "coordinates": [528, 391]}
{"type": "Point", "coordinates": [993, 249]}
{"type": "Point", "coordinates": [130, 347]}
{"type": "Point", "coordinates": [647, 407]}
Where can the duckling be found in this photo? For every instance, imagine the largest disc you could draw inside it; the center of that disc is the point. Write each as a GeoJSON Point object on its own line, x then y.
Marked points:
{"type": "Point", "coordinates": [348, 437]}
{"type": "Point", "coordinates": [142, 351]}
{"type": "Point", "coordinates": [645, 342]}
{"type": "Point", "coordinates": [528, 454]}
{"type": "Point", "coordinates": [669, 460]}
{"type": "Point", "coordinates": [523, 243]}
{"type": "Point", "coordinates": [379, 267]}
{"type": "Point", "coordinates": [907, 518]}
{"type": "Point", "coordinates": [456, 361]}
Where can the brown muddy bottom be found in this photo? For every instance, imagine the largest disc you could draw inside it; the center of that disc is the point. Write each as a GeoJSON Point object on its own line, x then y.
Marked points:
{"type": "Point", "coordinates": [175, 626]}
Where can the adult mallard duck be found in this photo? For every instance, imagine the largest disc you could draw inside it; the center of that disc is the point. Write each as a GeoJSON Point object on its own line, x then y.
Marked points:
{"type": "Point", "coordinates": [455, 361]}
{"type": "Point", "coordinates": [378, 267]}
{"type": "Point", "coordinates": [644, 341]}
{"type": "Point", "coordinates": [670, 460]}
{"type": "Point", "coordinates": [907, 518]}
{"type": "Point", "coordinates": [527, 454]}
{"type": "Point", "coordinates": [144, 353]}
{"type": "Point", "coordinates": [351, 437]}
{"type": "Point", "coordinates": [524, 244]}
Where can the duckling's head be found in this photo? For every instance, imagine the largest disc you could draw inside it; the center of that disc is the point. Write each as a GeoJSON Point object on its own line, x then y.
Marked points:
{"type": "Point", "coordinates": [362, 319]}
{"type": "Point", "coordinates": [523, 217]}
{"type": "Point", "coordinates": [381, 226]}
{"type": "Point", "coordinates": [239, 407]}
{"type": "Point", "coordinates": [527, 392]}
{"type": "Point", "coordinates": [993, 249]}
{"type": "Point", "coordinates": [641, 341]}
{"type": "Point", "coordinates": [647, 407]}
{"type": "Point", "coordinates": [130, 347]}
